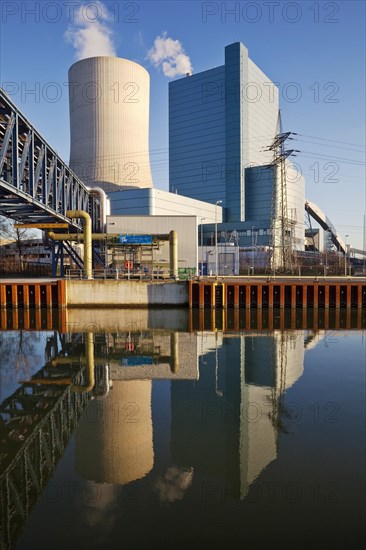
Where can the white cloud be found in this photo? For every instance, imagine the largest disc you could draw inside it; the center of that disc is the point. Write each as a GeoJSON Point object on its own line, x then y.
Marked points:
{"type": "Point", "coordinates": [170, 55]}
{"type": "Point", "coordinates": [89, 34]}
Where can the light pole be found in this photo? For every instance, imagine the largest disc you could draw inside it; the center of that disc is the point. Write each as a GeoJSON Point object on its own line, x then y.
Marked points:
{"type": "Point", "coordinates": [345, 255]}
{"type": "Point", "coordinates": [216, 256]}
{"type": "Point", "coordinates": [202, 219]}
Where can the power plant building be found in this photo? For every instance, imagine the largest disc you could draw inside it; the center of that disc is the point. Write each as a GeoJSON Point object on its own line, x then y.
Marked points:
{"type": "Point", "coordinates": [221, 124]}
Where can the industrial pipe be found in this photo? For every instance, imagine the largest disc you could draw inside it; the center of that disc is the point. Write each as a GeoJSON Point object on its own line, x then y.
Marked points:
{"type": "Point", "coordinates": [75, 236]}
{"type": "Point", "coordinates": [172, 237]}
{"type": "Point", "coordinates": [173, 253]}
{"type": "Point", "coordinates": [106, 384]}
{"type": "Point", "coordinates": [89, 352]}
{"type": "Point", "coordinates": [105, 207]}
{"type": "Point", "coordinates": [90, 368]}
{"type": "Point", "coordinates": [87, 239]}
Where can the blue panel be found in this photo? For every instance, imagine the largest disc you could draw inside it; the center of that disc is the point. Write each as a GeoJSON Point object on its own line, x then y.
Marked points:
{"type": "Point", "coordinates": [135, 239]}
{"type": "Point", "coordinates": [259, 185]}
{"type": "Point", "coordinates": [197, 136]}
{"type": "Point", "coordinates": [236, 129]}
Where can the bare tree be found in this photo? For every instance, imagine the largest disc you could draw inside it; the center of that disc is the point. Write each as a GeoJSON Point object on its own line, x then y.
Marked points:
{"type": "Point", "coordinates": [16, 236]}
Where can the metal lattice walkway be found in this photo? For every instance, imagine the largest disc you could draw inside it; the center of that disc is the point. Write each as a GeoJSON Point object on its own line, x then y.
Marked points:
{"type": "Point", "coordinates": [36, 186]}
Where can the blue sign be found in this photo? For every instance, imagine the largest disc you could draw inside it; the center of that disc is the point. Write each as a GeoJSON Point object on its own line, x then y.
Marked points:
{"type": "Point", "coordinates": [135, 239]}
{"type": "Point", "coordinates": [136, 360]}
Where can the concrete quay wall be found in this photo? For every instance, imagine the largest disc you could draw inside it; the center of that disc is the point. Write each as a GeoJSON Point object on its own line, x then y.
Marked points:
{"type": "Point", "coordinates": [111, 293]}
{"type": "Point", "coordinates": [236, 292]}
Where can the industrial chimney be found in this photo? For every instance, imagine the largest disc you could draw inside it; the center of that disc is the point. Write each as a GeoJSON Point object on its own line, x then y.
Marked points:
{"type": "Point", "coordinates": [109, 123]}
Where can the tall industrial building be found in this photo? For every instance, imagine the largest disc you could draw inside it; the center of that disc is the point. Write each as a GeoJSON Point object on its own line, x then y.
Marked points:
{"type": "Point", "coordinates": [221, 124]}
{"type": "Point", "coordinates": [109, 123]}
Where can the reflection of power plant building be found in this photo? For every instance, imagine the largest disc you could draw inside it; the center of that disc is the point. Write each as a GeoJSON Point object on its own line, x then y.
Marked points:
{"type": "Point", "coordinates": [221, 124]}
{"type": "Point", "coordinates": [157, 355]}
{"type": "Point", "coordinates": [271, 367]}
{"type": "Point", "coordinates": [227, 423]}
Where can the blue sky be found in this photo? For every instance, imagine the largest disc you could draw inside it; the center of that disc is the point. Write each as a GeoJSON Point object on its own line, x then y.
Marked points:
{"type": "Point", "coordinates": [314, 50]}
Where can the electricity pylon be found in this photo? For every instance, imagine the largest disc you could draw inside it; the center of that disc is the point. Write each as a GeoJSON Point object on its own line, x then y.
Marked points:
{"type": "Point", "coordinates": [281, 232]}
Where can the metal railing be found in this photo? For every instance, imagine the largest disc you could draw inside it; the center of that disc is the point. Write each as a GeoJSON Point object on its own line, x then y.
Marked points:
{"type": "Point", "coordinates": [118, 274]}
{"type": "Point", "coordinates": [106, 274]}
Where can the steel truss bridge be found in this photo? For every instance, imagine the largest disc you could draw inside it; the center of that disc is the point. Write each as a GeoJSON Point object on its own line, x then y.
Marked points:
{"type": "Point", "coordinates": [36, 185]}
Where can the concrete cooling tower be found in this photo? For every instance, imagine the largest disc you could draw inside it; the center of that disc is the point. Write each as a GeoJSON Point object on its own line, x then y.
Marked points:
{"type": "Point", "coordinates": [109, 123]}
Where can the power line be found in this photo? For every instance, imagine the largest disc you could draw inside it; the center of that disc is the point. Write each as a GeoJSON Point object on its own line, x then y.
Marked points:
{"type": "Point", "coordinates": [333, 146]}
{"type": "Point", "coordinates": [331, 157]}
{"type": "Point", "coordinates": [332, 140]}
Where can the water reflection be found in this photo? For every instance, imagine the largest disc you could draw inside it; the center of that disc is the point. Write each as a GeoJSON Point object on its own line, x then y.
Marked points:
{"type": "Point", "coordinates": [114, 439]}
{"type": "Point", "coordinates": [227, 424]}
{"type": "Point", "coordinates": [172, 485]}
{"type": "Point", "coordinates": [225, 405]}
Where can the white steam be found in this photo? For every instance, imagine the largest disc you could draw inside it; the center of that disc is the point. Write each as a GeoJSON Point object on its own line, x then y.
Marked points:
{"type": "Point", "coordinates": [170, 55]}
{"type": "Point", "coordinates": [89, 33]}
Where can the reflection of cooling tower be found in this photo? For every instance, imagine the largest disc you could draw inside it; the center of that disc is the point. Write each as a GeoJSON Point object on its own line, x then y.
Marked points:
{"type": "Point", "coordinates": [114, 437]}
{"type": "Point", "coordinates": [109, 123]}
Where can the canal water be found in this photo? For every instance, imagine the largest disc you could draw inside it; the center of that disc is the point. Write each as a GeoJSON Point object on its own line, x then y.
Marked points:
{"type": "Point", "coordinates": [147, 429]}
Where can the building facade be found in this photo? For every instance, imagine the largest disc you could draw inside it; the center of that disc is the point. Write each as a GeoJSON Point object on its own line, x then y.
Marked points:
{"type": "Point", "coordinates": [156, 202]}
{"type": "Point", "coordinates": [221, 124]}
{"type": "Point", "coordinates": [186, 230]}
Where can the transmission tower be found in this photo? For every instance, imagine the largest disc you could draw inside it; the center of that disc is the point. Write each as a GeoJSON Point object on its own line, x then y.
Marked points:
{"type": "Point", "coordinates": [281, 231]}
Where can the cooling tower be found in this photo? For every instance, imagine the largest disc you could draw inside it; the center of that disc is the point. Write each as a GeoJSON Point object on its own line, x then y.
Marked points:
{"type": "Point", "coordinates": [114, 442]}
{"type": "Point", "coordinates": [109, 123]}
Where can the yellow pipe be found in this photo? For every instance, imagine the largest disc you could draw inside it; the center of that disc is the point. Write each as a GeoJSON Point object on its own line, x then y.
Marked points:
{"type": "Point", "coordinates": [75, 236]}
{"type": "Point", "coordinates": [66, 360]}
{"type": "Point", "coordinates": [90, 366]}
{"type": "Point", "coordinates": [173, 253]}
{"type": "Point", "coordinates": [48, 381]}
{"type": "Point", "coordinates": [89, 351]}
{"type": "Point", "coordinates": [87, 239]}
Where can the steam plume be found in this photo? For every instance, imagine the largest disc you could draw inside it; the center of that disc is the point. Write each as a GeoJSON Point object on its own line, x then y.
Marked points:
{"type": "Point", "coordinates": [89, 33]}
{"type": "Point", "coordinates": [170, 55]}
